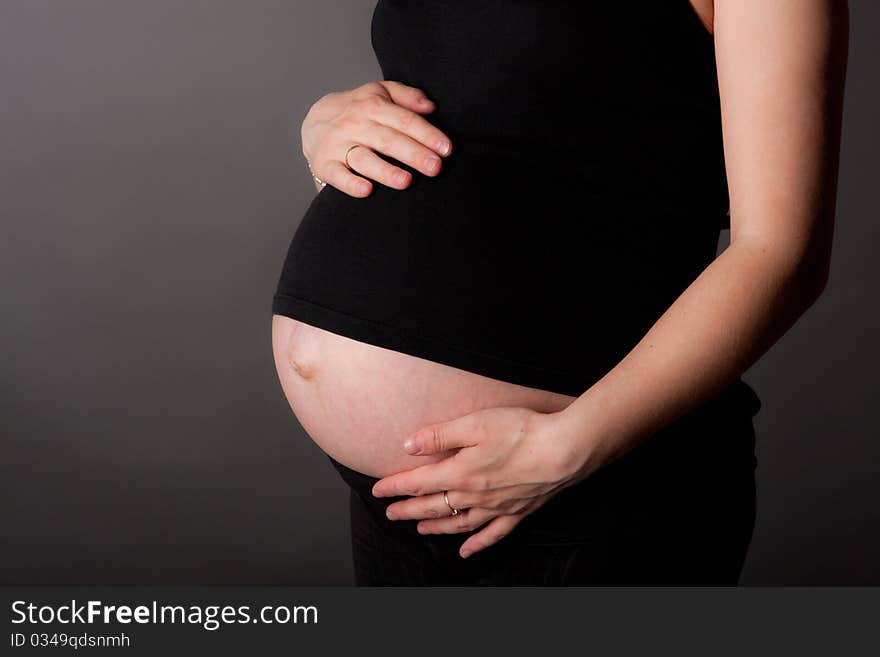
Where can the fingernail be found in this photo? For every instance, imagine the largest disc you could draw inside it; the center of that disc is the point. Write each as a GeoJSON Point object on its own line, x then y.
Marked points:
{"type": "Point", "coordinates": [377, 493]}
{"type": "Point", "coordinates": [444, 147]}
{"type": "Point", "coordinates": [432, 164]}
{"type": "Point", "coordinates": [363, 188]}
{"type": "Point", "coordinates": [412, 445]}
{"type": "Point", "coordinates": [465, 554]}
{"type": "Point", "coordinates": [402, 178]}
{"type": "Point", "coordinates": [390, 514]}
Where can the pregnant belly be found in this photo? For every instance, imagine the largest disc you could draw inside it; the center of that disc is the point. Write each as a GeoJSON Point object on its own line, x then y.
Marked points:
{"type": "Point", "coordinates": [359, 402]}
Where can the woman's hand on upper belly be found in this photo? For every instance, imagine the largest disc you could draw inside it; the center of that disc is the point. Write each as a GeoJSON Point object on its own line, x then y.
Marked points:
{"type": "Point", "coordinates": [510, 462]}
{"type": "Point", "coordinates": [379, 117]}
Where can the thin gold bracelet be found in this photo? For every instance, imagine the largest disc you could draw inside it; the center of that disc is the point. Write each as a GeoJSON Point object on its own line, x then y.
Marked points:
{"type": "Point", "coordinates": [317, 180]}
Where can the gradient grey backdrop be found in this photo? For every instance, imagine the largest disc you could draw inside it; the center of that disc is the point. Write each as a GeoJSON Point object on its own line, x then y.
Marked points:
{"type": "Point", "coordinates": [151, 179]}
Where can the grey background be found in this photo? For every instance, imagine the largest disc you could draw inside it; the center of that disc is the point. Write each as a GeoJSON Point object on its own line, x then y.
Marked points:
{"type": "Point", "coordinates": [151, 179]}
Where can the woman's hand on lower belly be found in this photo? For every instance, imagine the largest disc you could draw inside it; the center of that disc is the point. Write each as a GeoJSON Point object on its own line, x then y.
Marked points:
{"type": "Point", "coordinates": [510, 462]}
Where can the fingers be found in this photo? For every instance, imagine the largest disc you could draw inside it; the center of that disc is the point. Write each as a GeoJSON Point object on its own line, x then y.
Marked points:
{"type": "Point", "coordinates": [382, 109]}
{"type": "Point", "coordinates": [416, 127]}
{"type": "Point", "coordinates": [500, 527]}
{"type": "Point", "coordinates": [490, 535]}
{"type": "Point", "coordinates": [385, 118]}
{"type": "Point", "coordinates": [401, 147]}
{"type": "Point", "coordinates": [426, 507]}
{"type": "Point", "coordinates": [424, 480]}
{"type": "Point", "coordinates": [409, 97]}
{"type": "Point", "coordinates": [436, 515]}
{"type": "Point", "coordinates": [365, 161]}
{"type": "Point", "coordinates": [398, 106]}
{"type": "Point", "coordinates": [338, 175]}
{"type": "Point", "coordinates": [460, 432]}
{"type": "Point", "coordinates": [467, 520]}
{"type": "Point", "coordinates": [440, 519]}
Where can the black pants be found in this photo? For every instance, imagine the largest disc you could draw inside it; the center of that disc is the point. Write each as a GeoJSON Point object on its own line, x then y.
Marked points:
{"type": "Point", "coordinates": [679, 509]}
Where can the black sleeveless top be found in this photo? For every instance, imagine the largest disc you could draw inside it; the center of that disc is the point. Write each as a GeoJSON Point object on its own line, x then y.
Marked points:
{"type": "Point", "coordinates": [585, 191]}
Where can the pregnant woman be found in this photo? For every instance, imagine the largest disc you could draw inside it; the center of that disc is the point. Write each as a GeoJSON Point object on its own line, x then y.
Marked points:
{"type": "Point", "coordinates": [503, 316]}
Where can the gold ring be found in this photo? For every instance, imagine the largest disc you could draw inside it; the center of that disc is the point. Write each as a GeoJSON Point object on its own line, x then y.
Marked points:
{"type": "Point", "coordinates": [446, 499]}
{"type": "Point", "coordinates": [350, 149]}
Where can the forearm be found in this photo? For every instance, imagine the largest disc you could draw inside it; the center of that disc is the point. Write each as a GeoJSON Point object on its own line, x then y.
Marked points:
{"type": "Point", "coordinates": [725, 320]}
{"type": "Point", "coordinates": [781, 72]}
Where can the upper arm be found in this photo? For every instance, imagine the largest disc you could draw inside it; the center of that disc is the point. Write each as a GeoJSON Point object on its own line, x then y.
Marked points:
{"type": "Point", "coordinates": [781, 70]}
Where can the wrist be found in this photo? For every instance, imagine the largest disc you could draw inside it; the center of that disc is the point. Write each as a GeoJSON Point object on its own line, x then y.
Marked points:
{"type": "Point", "coordinates": [319, 184]}
{"type": "Point", "coordinates": [573, 447]}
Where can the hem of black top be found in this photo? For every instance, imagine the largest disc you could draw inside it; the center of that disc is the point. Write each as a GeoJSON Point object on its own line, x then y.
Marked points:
{"type": "Point", "coordinates": [494, 366]}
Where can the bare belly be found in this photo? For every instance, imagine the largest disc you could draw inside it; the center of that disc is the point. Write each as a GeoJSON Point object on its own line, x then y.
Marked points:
{"type": "Point", "coordinates": [358, 402]}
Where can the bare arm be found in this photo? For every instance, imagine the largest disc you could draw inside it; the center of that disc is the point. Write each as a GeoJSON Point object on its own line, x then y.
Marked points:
{"type": "Point", "coordinates": [781, 68]}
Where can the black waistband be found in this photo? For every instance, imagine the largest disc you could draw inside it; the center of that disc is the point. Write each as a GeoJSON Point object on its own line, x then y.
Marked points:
{"type": "Point", "coordinates": [359, 481]}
